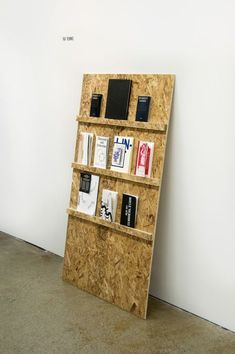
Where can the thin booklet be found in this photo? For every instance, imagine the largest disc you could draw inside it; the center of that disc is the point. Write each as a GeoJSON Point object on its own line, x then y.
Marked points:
{"type": "Point", "coordinates": [87, 197]}
{"type": "Point", "coordinates": [129, 210]}
{"type": "Point", "coordinates": [101, 151]}
{"type": "Point", "coordinates": [122, 154]}
{"type": "Point", "coordinates": [85, 148]}
{"type": "Point", "coordinates": [108, 205]}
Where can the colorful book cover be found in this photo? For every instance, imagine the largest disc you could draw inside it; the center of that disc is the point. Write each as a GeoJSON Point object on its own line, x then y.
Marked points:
{"type": "Point", "coordinates": [144, 159]}
{"type": "Point", "coordinates": [122, 154]}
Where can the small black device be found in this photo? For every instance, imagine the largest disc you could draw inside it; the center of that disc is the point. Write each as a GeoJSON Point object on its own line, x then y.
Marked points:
{"type": "Point", "coordinates": [85, 182]}
{"type": "Point", "coordinates": [118, 98]}
{"type": "Point", "coordinates": [95, 104]}
{"type": "Point", "coordinates": [142, 110]}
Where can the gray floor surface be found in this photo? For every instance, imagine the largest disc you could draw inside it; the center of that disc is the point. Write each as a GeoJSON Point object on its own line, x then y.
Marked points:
{"type": "Point", "coordinates": [39, 313]}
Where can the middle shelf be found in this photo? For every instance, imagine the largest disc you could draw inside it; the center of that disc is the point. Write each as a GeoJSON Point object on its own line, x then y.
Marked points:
{"type": "Point", "coordinates": [143, 235]}
{"type": "Point", "coordinates": [151, 182]}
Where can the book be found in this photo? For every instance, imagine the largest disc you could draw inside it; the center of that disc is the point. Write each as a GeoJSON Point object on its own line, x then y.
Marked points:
{"type": "Point", "coordinates": [129, 210]}
{"type": "Point", "coordinates": [87, 201]}
{"type": "Point", "coordinates": [95, 104]}
{"type": "Point", "coordinates": [85, 148]}
{"type": "Point", "coordinates": [118, 99]}
{"type": "Point", "coordinates": [101, 151]}
{"type": "Point", "coordinates": [108, 205]}
{"type": "Point", "coordinates": [142, 110]}
{"type": "Point", "coordinates": [122, 154]}
{"type": "Point", "coordinates": [85, 182]}
{"type": "Point", "coordinates": [144, 159]}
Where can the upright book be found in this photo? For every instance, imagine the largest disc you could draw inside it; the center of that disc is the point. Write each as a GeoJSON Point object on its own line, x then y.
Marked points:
{"type": "Point", "coordinates": [144, 159]}
{"type": "Point", "coordinates": [118, 99]}
{"type": "Point", "coordinates": [85, 148]}
{"type": "Point", "coordinates": [87, 200]}
{"type": "Point", "coordinates": [95, 105]}
{"type": "Point", "coordinates": [142, 110]}
{"type": "Point", "coordinates": [129, 210]}
{"type": "Point", "coordinates": [101, 151]}
{"type": "Point", "coordinates": [122, 154]}
{"type": "Point", "coordinates": [108, 205]}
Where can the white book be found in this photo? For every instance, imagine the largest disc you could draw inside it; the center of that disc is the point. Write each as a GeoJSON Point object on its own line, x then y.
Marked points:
{"type": "Point", "coordinates": [87, 201]}
{"type": "Point", "coordinates": [108, 205]}
{"type": "Point", "coordinates": [144, 159]}
{"type": "Point", "coordinates": [85, 148]}
{"type": "Point", "coordinates": [101, 151]}
{"type": "Point", "coordinates": [122, 154]}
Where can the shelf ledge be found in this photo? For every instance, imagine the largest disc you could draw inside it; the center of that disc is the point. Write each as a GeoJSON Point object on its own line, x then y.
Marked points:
{"type": "Point", "coordinates": [143, 235]}
{"type": "Point", "coordinates": [161, 127]}
{"type": "Point", "coordinates": [151, 182]}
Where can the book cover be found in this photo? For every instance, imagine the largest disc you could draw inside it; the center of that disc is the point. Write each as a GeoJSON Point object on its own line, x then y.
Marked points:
{"type": "Point", "coordinates": [122, 154]}
{"type": "Point", "coordinates": [142, 110]}
{"type": "Point", "coordinates": [144, 159]}
{"type": "Point", "coordinates": [118, 99]}
{"type": "Point", "coordinates": [129, 210]}
{"type": "Point", "coordinates": [108, 205]}
{"type": "Point", "coordinates": [85, 148]}
{"type": "Point", "coordinates": [87, 201]}
{"type": "Point", "coordinates": [101, 151]}
{"type": "Point", "coordinates": [95, 104]}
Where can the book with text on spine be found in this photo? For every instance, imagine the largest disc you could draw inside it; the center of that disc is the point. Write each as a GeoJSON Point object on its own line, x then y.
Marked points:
{"type": "Point", "coordinates": [122, 154]}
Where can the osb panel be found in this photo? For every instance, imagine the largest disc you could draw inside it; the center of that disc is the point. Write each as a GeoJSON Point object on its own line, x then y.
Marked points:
{"type": "Point", "coordinates": [100, 260]}
{"type": "Point", "coordinates": [159, 87]}
{"type": "Point", "coordinates": [111, 266]}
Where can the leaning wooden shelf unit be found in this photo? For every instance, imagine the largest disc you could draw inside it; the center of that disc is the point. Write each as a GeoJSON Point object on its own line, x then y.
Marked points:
{"type": "Point", "coordinates": [107, 259]}
{"type": "Point", "coordinates": [151, 182]}
{"type": "Point", "coordinates": [143, 235]}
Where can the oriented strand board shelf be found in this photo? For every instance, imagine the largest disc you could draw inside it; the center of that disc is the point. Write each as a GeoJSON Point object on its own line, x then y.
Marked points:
{"type": "Point", "coordinates": [110, 260]}
{"type": "Point", "coordinates": [151, 182]}
{"type": "Point", "coordinates": [112, 225]}
{"type": "Point", "coordinates": [123, 123]}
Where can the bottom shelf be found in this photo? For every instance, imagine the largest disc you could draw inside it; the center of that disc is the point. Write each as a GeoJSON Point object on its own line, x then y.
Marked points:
{"type": "Point", "coordinates": [143, 235]}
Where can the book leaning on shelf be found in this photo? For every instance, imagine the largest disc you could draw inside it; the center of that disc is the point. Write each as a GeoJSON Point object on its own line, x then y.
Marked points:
{"type": "Point", "coordinates": [85, 148]}
{"type": "Point", "coordinates": [108, 205]}
{"type": "Point", "coordinates": [101, 151]}
{"type": "Point", "coordinates": [144, 159]}
{"type": "Point", "coordinates": [87, 196]}
{"type": "Point", "coordinates": [122, 154]}
{"type": "Point", "coordinates": [129, 210]}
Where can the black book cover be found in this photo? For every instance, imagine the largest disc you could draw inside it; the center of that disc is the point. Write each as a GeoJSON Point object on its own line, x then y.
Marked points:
{"type": "Point", "coordinates": [95, 105]}
{"type": "Point", "coordinates": [142, 110]}
{"type": "Point", "coordinates": [129, 210]}
{"type": "Point", "coordinates": [85, 182]}
{"type": "Point", "coordinates": [118, 99]}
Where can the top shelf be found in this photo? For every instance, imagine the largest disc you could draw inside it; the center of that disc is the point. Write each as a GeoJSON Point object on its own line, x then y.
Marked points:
{"type": "Point", "coordinates": [161, 127]}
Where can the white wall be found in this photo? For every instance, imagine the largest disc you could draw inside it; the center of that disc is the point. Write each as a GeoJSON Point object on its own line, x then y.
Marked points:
{"type": "Point", "coordinates": [194, 265]}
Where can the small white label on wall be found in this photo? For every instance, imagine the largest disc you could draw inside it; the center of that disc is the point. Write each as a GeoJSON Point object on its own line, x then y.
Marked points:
{"type": "Point", "coordinates": [68, 38]}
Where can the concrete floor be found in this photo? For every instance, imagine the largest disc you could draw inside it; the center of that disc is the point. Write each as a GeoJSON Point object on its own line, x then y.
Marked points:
{"type": "Point", "coordinates": [39, 313]}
